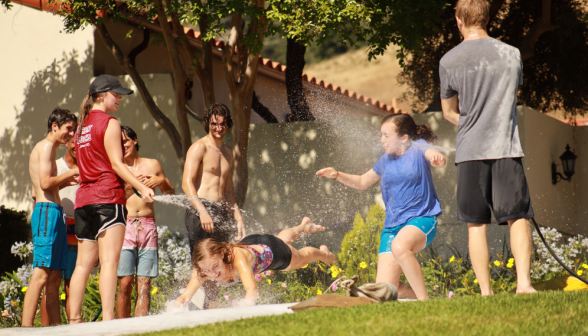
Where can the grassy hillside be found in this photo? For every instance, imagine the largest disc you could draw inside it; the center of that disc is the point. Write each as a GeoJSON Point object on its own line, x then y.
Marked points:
{"type": "Point", "coordinates": [352, 71]}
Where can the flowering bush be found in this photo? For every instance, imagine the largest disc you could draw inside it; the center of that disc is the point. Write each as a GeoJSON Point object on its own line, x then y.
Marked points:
{"type": "Point", "coordinates": [572, 251]}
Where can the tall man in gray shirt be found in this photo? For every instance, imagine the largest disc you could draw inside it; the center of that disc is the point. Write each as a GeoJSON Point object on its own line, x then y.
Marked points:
{"type": "Point", "coordinates": [479, 82]}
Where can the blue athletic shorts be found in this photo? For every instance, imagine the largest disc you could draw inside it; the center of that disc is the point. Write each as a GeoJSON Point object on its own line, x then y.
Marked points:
{"type": "Point", "coordinates": [49, 236]}
{"type": "Point", "coordinates": [426, 224]}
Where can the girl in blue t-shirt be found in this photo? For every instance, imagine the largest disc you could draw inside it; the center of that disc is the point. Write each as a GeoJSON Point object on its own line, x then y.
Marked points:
{"type": "Point", "coordinates": [409, 194]}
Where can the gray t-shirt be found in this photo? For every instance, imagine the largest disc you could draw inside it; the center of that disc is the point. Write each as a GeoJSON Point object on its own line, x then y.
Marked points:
{"type": "Point", "coordinates": [485, 74]}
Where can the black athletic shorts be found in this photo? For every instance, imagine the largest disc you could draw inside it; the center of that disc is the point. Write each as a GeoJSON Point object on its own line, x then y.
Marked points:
{"type": "Point", "coordinates": [92, 219]}
{"type": "Point", "coordinates": [281, 251]}
{"type": "Point", "coordinates": [225, 225]}
{"type": "Point", "coordinates": [499, 185]}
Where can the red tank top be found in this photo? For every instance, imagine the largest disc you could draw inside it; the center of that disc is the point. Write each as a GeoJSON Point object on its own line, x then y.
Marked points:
{"type": "Point", "coordinates": [99, 184]}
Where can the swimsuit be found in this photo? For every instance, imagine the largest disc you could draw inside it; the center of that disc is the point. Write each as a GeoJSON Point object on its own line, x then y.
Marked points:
{"type": "Point", "coordinates": [262, 262]}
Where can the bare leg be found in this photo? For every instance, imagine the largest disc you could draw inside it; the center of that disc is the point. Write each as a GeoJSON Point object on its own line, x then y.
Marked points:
{"type": "Point", "coordinates": [52, 300]}
{"type": "Point", "coordinates": [44, 317]}
{"type": "Point", "coordinates": [87, 257]}
{"type": "Point", "coordinates": [478, 246]}
{"type": "Point", "coordinates": [309, 254]}
{"type": "Point", "coordinates": [389, 271]}
{"type": "Point", "coordinates": [110, 245]}
{"type": "Point", "coordinates": [31, 300]}
{"type": "Point", "coordinates": [521, 247]}
{"type": "Point", "coordinates": [66, 287]}
{"type": "Point", "coordinates": [143, 299]}
{"type": "Point", "coordinates": [306, 227]}
{"type": "Point", "coordinates": [123, 299]}
{"type": "Point", "coordinates": [409, 241]}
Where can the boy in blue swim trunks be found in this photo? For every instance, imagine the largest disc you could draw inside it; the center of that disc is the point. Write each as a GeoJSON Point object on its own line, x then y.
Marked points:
{"type": "Point", "coordinates": [409, 194]}
{"type": "Point", "coordinates": [47, 221]}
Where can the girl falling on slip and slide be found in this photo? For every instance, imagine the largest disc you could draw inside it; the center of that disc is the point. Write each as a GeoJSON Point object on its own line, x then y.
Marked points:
{"type": "Point", "coordinates": [409, 194]}
{"type": "Point", "coordinates": [237, 263]}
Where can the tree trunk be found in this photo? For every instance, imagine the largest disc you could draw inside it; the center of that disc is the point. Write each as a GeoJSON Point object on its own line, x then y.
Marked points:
{"type": "Point", "coordinates": [240, 82]}
{"type": "Point", "coordinates": [152, 107]}
{"type": "Point", "coordinates": [295, 67]}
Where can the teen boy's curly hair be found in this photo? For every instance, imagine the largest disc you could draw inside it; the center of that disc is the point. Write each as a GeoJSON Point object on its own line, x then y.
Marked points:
{"type": "Point", "coordinates": [217, 109]}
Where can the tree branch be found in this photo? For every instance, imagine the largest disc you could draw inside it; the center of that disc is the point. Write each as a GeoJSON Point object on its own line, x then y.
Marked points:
{"type": "Point", "coordinates": [179, 76]}
{"type": "Point", "coordinates": [153, 109]}
{"type": "Point", "coordinates": [544, 25]}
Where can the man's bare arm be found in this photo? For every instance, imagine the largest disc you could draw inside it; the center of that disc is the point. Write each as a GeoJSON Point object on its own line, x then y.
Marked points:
{"type": "Point", "coordinates": [46, 181]}
{"type": "Point", "coordinates": [450, 108]}
{"type": "Point", "coordinates": [194, 159]}
{"type": "Point", "coordinates": [162, 182]}
{"type": "Point", "coordinates": [232, 200]}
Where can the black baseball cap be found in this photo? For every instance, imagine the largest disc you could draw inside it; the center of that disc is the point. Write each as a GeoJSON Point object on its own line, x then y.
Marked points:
{"type": "Point", "coordinates": [105, 83]}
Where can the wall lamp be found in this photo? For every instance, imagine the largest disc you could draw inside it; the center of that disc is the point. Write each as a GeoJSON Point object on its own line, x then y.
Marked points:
{"type": "Point", "coordinates": [568, 162]}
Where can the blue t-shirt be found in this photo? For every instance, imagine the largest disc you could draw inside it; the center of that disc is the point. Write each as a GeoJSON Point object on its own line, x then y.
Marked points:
{"type": "Point", "coordinates": [407, 185]}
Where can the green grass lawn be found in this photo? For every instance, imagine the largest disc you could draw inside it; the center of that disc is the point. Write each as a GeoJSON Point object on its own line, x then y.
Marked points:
{"type": "Point", "coordinates": [547, 313]}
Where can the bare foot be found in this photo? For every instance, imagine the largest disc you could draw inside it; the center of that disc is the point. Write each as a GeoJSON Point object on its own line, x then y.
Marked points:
{"type": "Point", "coordinates": [308, 227]}
{"type": "Point", "coordinates": [330, 256]}
{"type": "Point", "coordinates": [526, 290]}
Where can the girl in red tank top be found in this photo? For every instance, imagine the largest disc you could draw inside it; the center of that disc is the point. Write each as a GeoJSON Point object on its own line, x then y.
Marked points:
{"type": "Point", "coordinates": [100, 213]}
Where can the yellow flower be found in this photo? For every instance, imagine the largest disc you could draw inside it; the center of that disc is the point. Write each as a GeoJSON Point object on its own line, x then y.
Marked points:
{"type": "Point", "coordinates": [335, 269]}
{"type": "Point", "coordinates": [511, 260]}
{"type": "Point", "coordinates": [24, 289]}
{"type": "Point", "coordinates": [62, 296]}
{"type": "Point", "coordinates": [335, 274]}
{"type": "Point", "coordinates": [155, 290]}
{"type": "Point", "coordinates": [319, 292]}
{"type": "Point", "coordinates": [269, 281]}
{"type": "Point", "coordinates": [475, 280]}
{"type": "Point", "coordinates": [509, 265]}
{"type": "Point", "coordinates": [452, 259]}
{"type": "Point", "coordinates": [496, 262]}
{"type": "Point", "coordinates": [305, 266]}
{"type": "Point", "coordinates": [585, 265]}
{"type": "Point", "coordinates": [363, 264]}
{"type": "Point", "coordinates": [580, 272]}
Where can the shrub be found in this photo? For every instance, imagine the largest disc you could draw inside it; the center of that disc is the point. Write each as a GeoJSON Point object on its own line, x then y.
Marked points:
{"type": "Point", "coordinates": [13, 228]}
{"type": "Point", "coordinates": [359, 248]}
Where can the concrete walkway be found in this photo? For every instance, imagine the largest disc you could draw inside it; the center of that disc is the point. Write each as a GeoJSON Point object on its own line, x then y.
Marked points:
{"type": "Point", "coordinates": [154, 323]}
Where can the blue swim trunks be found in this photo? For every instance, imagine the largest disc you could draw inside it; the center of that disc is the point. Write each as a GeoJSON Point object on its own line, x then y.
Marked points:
{"type": "Point", "coordinates": [49, 236]}
{"type": "Point", "coordinates": [426, 224]}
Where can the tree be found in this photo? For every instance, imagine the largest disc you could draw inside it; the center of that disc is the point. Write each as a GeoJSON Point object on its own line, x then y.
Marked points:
{"type": "Point", "coordinates": [551, 35]}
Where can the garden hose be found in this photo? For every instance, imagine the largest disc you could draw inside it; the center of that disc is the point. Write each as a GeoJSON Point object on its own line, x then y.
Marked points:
{"type": "Point", "coordinates": [97, 315]}
{"type": "Point", "coordinates": [554, 256]}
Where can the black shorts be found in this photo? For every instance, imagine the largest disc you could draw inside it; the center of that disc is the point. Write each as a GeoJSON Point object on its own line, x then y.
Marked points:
{"type": "Point", "coordinates": [499, 185]}
{"type": "Point", "coordinates": [92, 219]}
{"type": "Point", "coordinates": [225, 225]}
{"type": "Point", "coordinates": [281, 251]}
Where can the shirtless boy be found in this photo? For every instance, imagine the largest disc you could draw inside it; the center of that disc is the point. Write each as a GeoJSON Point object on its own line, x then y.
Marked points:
{"type": "Point", "coordinates": [139, 252]}
{"type": "Point", "coordinates": [67, 194]}
{"type": "Point", "coordinates": [207, 178]}
{"type": "Point", "coordinates": [49, 230]}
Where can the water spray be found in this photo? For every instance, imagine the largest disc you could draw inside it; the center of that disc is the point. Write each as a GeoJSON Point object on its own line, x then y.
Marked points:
{"type": "Point", "coordinates": [554, 256]}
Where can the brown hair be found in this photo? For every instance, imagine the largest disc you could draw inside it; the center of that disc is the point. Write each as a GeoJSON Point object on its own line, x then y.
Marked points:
{"type": "Point", "coordinates": [211, 247]}
{"type": "Point", "coordinates": [406, 125]}
{"type": "Point", "coordinates": [85, 108]}
{"type": "Point", "coordinates": [60, 117]}
{"type": "Point", "coordinates": [218, 109]}
{"type": "Point", "coordinates": [473, 13]}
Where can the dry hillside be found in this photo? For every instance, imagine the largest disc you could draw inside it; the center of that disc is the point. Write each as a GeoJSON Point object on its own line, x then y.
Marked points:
{"type": "Point", "coordinates": [352, 71]}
